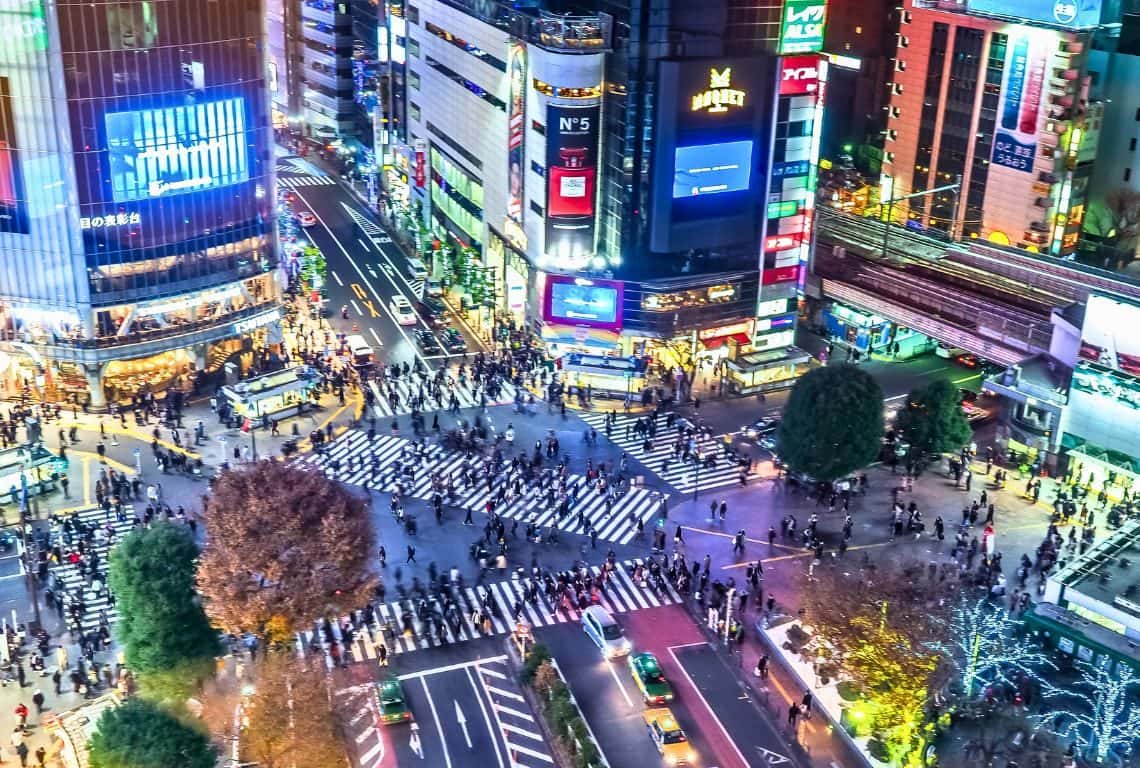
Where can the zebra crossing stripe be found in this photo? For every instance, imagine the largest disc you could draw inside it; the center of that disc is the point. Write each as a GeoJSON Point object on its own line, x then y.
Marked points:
{"type": "Point", "coordinates": [622, 595]}
{"type": "Point", "coordinates": [464, 393]}
{"type": "Point", "coordinates": [296, 182]}
{"type": "Point", "coordinates": [683, 476]}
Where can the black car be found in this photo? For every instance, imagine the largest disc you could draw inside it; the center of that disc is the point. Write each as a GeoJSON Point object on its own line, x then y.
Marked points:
{"type": "Point", "coordinates": [433, 311]}
{"type": "Point", "coordinates": [762, 427]}
{"type": "Point", "coordinates": [453, 341]}
{"type": "Point", "coordinates": [427, 342]}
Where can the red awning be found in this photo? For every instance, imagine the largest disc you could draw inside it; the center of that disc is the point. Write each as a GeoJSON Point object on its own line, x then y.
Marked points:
{"type": "Point", "coordinates": [719, 341]}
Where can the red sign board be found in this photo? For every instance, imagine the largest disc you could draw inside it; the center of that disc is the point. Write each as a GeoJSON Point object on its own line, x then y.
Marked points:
{"type": "Point", "coordinates": [799, 75]}
{"type": "Point", "coordinates": [782, 242]}
{"type": "Point", "coordinates": [781, 275]}
{"type": "Point", "coordinates": [421, 151]}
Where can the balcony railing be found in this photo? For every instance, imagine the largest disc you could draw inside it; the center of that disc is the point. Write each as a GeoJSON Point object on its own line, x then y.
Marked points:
{"type": "Point", "coordinates": [572, 33]}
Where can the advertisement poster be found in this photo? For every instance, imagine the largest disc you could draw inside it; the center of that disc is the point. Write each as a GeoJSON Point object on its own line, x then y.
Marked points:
{"type": "Point", "coordinates": [1015, 141]}
{"type": "Point", "coordinates": [571, 181]}
{"type": "Point", "coordinates": [799, 75]}
{"type": "Point", "coordinates": [516, 119]}
{"type": "Point", "coordinates": [1074, 14]}
{"type": "Point", "coordinates": [170, 151]}
{"type": "Point", "coordinates": [421, 171]}
{"type": "Point", "coordinates": [13, 206]}
{"type": "Point", "coordinates": [1109, 336]}
{"type": "Point", "coordinates": [709, 169]}
{"type": "Point", "coordinates": [578, 301]}
{"type": "Point", "coordinates": [801, 30]}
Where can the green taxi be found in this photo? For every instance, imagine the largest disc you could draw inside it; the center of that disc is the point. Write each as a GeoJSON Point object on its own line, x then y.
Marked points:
{"type": "Point", "coordinates": [646, 671]}
{"type": "Point", "coordinates": [393, 705]}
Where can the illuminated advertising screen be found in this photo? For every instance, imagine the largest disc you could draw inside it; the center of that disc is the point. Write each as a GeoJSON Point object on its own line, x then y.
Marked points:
{"type": "Point", "coordinates": [571, 180]}
{"type": "Point", "coordinates": [155, 153]}
{"type": "Point", "coordinates": [1015, 141]}
{"type": "Point", "coordinates": [801, 30]}
{"type": "Point", "coordinates": [710, 169]}
{"type": "Point", "coordinates": [577, 301]}
{"type": "Point", "coordinates": [1110, 336]}
{"type": "Point", "coordinates": [1065, 13]}
{"type": "Point", "coordinates": [516, 102]}
{"type": "Point", "coordinates": [13, 205]}
{"type": "Point", "coordinates": [799, 75]}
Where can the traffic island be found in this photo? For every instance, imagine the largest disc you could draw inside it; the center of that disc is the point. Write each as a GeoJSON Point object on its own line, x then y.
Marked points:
{"type": "Point", "coordinates": [568, 733]}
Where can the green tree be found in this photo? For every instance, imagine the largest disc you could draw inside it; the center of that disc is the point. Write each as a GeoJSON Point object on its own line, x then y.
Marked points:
{"type": "Point", "coordinates": [142, 734]}
{"type": "Point", "coordinates": [933, 420]}
{"type": "Point", "coordinates": [833, 423]}
{"type": "Point", "coordinates": [164, 631]}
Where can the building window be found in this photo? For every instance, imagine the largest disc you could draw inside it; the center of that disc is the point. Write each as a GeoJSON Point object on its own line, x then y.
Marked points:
{"type": "Point", "coordinates": [414, 47]}
{"type": "Point", "coordinates": [467, 47]}
{"type": "Point", "coordinates": [537, 168]}
{"type": "Point", "coordinates": [1132, 145]}
{"type": "Point", "coordinates": [538, 127]}
{"type": "Point", "coordinates": [536, 207]}
{"type": "Point", "coordinates": [414, 110]}
{"type": "Point", "coordinates": [413, 14]}
{"type": "Point", "coordinates": [1138, 114]}
{"type": "Point", "coordinates": [414, 79]}
{"type": "Point", "coordinates": [470, 85]}
{"type": "Point", "coordinates": [1128, 174]}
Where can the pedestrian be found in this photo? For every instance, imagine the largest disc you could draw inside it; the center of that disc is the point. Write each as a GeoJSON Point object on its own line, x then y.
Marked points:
{"type": "Point", "coordinates": [467, 520]}
{"type": "Point", "coordinates": [793, 715]}
{"type": "Point", "coordinates": [56, 679]}
{"type": "Point", "coordinates": [38, 701]}
{"type": "Point", "coordinates": [761, 670]}
{"type": "Point", "coordinates": [41, 756]}
{"type": "Point", "coordinates": [21, 675]}
{"type": "Point", "coordinates": [22, 752]}
{"type": "Point", "coordinates": [383, 557]}
{"type": "Point", "coordinates": [411, 555]}
{"type": "Point", "coordinates": [382, 654]}
{"type": "Point", "coordinates": [805, 705]}
{"type": "Point", "coordinates": [21, 712]}
{"type": "Point", "coordinates": [771, 536]}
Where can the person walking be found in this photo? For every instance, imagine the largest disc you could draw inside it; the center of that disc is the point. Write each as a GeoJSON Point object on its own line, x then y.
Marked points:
{"type": "Point", "coordinates": [383, 557]}
{"type": "Point", "coordinates": [38, 701]}
{"type": "Point", "coordinates": [41, 756]}
{"type": "Point", "coordinates": [411, 555]}
{"type": "Point", "coordinates": [805, 705]}
{"type": "Point", "coordinates": [56, 679]}
{"type": "Point", "coordinates": [793, 715]}
{"type": "Point", "coordinates": [761, 670]}
{"type": "Point", "coordinates": [382, 654]}
{"type": "Point", "coordinates": [738, 543]}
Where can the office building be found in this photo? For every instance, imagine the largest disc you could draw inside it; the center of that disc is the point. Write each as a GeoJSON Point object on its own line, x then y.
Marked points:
{"type": "Point", "coordinates": [136, 194]}
{"type": "Point", "coordinates": [992, 95]}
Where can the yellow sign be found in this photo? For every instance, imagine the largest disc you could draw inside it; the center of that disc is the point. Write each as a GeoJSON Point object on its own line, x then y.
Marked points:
{"type": "Point", "coordinates": [720, 94]}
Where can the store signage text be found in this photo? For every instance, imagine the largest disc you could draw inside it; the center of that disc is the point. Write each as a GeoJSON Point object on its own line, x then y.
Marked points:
{"type": "Point", "coordinates": [802, 29]}
{"type": "Point", "coordinates": [253, 323]}
{"type": "Point", "coordinates": [744, 327]}
{"type": "Point", "coordinates": [782, 242]}
{"type": "Point", "coordinates": [720, 95]}
{"type": "Point", "coordinates": [799, 75]}
{"type": "Point", "coordinates": [110, 220]}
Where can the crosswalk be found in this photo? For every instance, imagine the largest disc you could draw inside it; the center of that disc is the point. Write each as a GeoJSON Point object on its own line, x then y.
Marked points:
{"type": "Point", "coordinates": [661, 460]}
{"type": "Point", "coordinates": [397, 627]}
{"type": "Point", "coordinates": [70, 585]}
{"type": "Point", "coordinates": [353, 458]}
{"type": "Point", "coordinates": [305, 181]}
{"type": "Point", "coordinates": [512, 715]}
{"type": "Point", "coordinates": [406, 390]}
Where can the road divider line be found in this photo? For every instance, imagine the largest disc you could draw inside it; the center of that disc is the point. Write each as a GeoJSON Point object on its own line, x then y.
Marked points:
{"type": "Point", "coordinates": [438, 724]}
{"type": "Point", "coordinates": [376, 336]}
{"type": "Point", "coordinates": [336, 277]}
{"type": "Point", "coordinates": [491, 726]}
{"type": "Point", "coordinates": [450, 667]}
{"type": "Point", "coordinates": [362, 243]}
{"type": "Point", "coordinates": [708, 707]}
{"type": "Point", "coordinates": [617, 681]}
{"type": "Point", "coordinates": [356, 307]}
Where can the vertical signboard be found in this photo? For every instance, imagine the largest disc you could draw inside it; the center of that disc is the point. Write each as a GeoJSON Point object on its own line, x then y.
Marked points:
{"type": "Point", "coordinates": [801, 30]}
{"type": "Point", "coordinates": [13, 205]}
{"type": "Point", "coordinates": [421, 171]}
{"type": "Point", "coordinates": [1015, 141]}
{"type": "Point", "coordinates": [516, 116]}
{"type": "Point", "coordinates": [571, 181]}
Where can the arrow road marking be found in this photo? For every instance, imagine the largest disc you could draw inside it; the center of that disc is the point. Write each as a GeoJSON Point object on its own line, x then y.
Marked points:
{"type": "Point", "coordinates": [414, 741]}
{"type": "Point", "coordinates": [772, 758]}
{"type": "Point", "coordinates": [462, 720]}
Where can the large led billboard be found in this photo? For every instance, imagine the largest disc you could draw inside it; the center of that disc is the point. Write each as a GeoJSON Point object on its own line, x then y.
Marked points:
{"type": "Point", "coordinates": [571, 180]}
{"type": "Point", "coordinates": [1110, 335]}
{"type": "Point", "coordinates": [1022, 89]}
{"type": "Point", "coordinates": [709, 169]}
{"type": "Point", "coordinates": [13, 205]}
{"type": "Point", "coordinates": [515, 131]}
{"type": "Point", "coordinates": [1073, 14]}
{"type": "Point", "coordinates": [154, 153]}
{"type": "Point", "coordinates": [577, 301]}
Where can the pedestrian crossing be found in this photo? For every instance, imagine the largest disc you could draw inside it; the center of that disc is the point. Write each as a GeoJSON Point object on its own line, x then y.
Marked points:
{"type": "Point", "coordinates": [516, 723]}
{"type": "Point", "coordinates": [353, 458]}
{"type": "Point", "coordinates": [397, 396]}
{"type": "Point", "coordinates": [662, 460]}
{"type": "Point", "coordinates": [295, 182]}
{"type": "Point", "coordinates": [397, 627]}
{"type": "Point", "coordinates": [86, 601]}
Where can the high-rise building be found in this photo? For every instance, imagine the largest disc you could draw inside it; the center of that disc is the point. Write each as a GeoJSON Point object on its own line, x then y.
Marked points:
{"type": "Point", "coordinates": [618, 176]}
{"type": "Point", "coordinates": [992, 94]}
{"type": "Point", "coordinates": [136, 193]}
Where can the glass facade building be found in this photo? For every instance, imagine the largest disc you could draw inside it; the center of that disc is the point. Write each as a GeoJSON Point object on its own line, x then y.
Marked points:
{"type": "Point", "coordinates": [136, 165]}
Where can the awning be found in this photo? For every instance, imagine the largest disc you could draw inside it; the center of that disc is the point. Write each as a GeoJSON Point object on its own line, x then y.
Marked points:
{"type": "Point", "coordinates": [720, 341]}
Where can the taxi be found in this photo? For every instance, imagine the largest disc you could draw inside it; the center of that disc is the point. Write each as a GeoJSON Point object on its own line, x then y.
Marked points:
{"type": "Point", "coordinates": [668, 737]}
{"type": "Point", "coordinates": [393, 705]}
{"type": "Point", "coordinates": [646, 671]}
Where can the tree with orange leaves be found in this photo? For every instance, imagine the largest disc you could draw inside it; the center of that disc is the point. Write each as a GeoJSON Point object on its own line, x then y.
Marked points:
{"type": "Point", "coordinates": [285, 546]}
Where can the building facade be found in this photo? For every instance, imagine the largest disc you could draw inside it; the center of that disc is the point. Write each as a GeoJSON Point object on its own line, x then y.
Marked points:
{"type": "Point", "coordinates": [612, 177]}
{"type": "Point", "coordinates": [993, 96]}
{"type": "Point", "coordinates": [136, 189]}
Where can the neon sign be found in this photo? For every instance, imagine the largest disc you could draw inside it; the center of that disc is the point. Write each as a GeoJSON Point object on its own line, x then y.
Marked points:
{"type": "Point", "coordinates": [802, 28]}
{"type": "Point", "coordinates": [720, 95]}
{"type": "Point", "coordinates": [110, 220]}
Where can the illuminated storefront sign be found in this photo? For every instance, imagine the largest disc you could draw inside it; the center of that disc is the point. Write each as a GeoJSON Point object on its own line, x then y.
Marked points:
{"type": "Point", "coordinates": [799, 75]}
{"type": "Point", "coordinates": [766, 324]}
{"type": "Point", "coordinates": [1023, 82]}
{"type": "Point", "coordinates": [421, 171]}
{"type": "Point", "coordinates": [783, 209]}
{"type": "Point", "coordinates": [110, 220]}
{"type": "Point", "coordinates": [791, 169]}
{"type": "Point", "coordinates": [188, 302]}
{"type": "Point", "coordinates": [571, 181]}
{"type": "Point", "coordinates": [781, 275]}
{"type": "Point", "coordinates": [782, 242]}
{"type": "Point", "coordinates": [720, 95]}
{"type": "Point", "coordinates": [22, 20]}
{"type": "Point", "coordinates": [802, 28]}
{"type": "Point", "coordinates": [516, 100]}
{"type": "Point", "coordinates": [744, 327]}
{"type": "Point", "coordinates": [242, 327]}
{"type": "Point", "coordinates": [771, 307]}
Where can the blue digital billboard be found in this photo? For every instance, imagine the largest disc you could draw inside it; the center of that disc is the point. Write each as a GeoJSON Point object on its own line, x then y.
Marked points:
{"type": "Point", "coordinates": [576, 301]}
{"type": "Point", "coordinates": [709, 169]}
{"type": "Point", "coordinates": [1074, 14]}
{"type": "Point", "coordinates": [154, 153]}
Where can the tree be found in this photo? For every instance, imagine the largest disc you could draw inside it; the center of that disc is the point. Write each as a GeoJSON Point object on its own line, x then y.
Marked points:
{"type": "Point", "coordinates": [142, 734]}
{"type": "Point", "coordinates": [162, 626]}
{"type": "Point", "coordinates": [883, 628]}
{"type": "Point", "coordinates": [286, 546]}
{"type": "Point", "coordinates": [933, 420]}
{"type": "Point", "coordinates": [1114, 224]}
{"type": "Point", "coordinates": [295, 717]}
{"type": "Point", "coordinates": [833, 423]}
{"type": "Point", "coordinates": [1098, 711]}
{"type": "Point", "coordinates": [984, 646]}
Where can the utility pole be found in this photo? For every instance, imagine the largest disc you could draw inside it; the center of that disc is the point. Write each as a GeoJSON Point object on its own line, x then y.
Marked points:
{"type": "Point", "coordinates": [921, 193]}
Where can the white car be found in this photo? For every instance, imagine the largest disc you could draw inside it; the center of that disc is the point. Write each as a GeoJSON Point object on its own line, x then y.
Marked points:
{"type": "Point", "coordinates": [306, 219]}
{"type": "Point", "coordinates": [402, 310]}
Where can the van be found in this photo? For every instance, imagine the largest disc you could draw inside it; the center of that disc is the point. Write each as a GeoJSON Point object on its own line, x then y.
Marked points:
{"type": "Point", "coordinates": [433, 288]}
{"type": "Point", "coordinates": [948, 352]}
{"type": "Point", "coordinates": [604, 630]}
{"type": "Point", "coordinates": [417, 268]}
{"type": "Point", "coordinates": [359, 349]}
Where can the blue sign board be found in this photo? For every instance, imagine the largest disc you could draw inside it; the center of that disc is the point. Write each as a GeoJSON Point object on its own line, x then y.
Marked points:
{"type": "Point", "coordinates": [710, 169]}
{"type": "Point", "coordinates": [1071, 14]}
{"type": "Point", "coordinates": [791, 168]}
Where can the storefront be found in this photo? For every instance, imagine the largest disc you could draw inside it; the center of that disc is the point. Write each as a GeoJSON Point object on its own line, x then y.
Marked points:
{"type": "Point", "coordinates": [726, 341]}
{"type": "Point", "coordinates": [604, 375]}
{"type": "Point", "coordinates": [766, 370]}
{"type": "Point", "coordinates": [511, 274]}
{"type": "Point", "coordinates": [37, 464]}
{"type": "Point", "coordinates": [274, 395]}
{"type": "Point", "coordinates": [173, 369]}
{"type": "Point", "coordinates": [567, 339]}
{"type": "Point", "coordinates": [867, 332]}
{"type": "Point", "coordinates": [1098, 469]}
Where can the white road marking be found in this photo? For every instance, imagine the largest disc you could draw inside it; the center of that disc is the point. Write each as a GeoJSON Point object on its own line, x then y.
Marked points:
{"type": "Point", "coordinates": [336, 277]}
{"type": "Point", "coordinates": [450, 667]}
{"type": "Point", "coordinates": [708, 707]}
{"type": "Point", "coordinates": [376, 336]}
{"type": "Point", "coordinates": [613, 674]}
{"type": "Point", "coordinates": [486, 718]}
{"type": "Point", "coordinates": [438, 724]}
{"type": "Point", "coordinates": [362, 243]}
{"type": "Point", "coordinates": [356, 307]}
